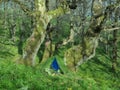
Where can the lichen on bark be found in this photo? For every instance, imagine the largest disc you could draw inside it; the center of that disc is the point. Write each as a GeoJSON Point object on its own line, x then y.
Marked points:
{"type": "Point", "coordinates": [42, 18]}
{"type": "Point", "coordinates": [77, 55]}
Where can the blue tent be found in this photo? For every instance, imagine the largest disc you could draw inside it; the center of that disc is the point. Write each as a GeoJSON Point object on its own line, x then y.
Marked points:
{"type": "Point", "coordinates": [54, 65]}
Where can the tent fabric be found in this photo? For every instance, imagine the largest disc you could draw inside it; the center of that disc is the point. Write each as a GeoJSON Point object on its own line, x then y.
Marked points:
{"type": "Point", "coordinates": [54, 65]}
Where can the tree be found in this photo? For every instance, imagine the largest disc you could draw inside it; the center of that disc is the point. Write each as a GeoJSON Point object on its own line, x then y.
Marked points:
{"type": "Point", "coordinates": [41, 18]}
{"type": "Point", "coordinates": [115, 55]}
{"type": "Point", "coordinates": [74, 56]}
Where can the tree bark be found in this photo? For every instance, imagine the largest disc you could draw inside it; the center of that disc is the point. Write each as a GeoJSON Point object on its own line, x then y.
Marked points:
{"type": "Point", "coordinates": [114, 57]}
{"type": "Point", "coordinates": [42, 18]}
{"type": "Point", "coordinates": [74, 56]}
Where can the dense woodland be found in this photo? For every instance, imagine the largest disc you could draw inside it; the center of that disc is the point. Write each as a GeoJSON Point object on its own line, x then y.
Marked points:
{"type": "Point", "coordinates": [82, 36]}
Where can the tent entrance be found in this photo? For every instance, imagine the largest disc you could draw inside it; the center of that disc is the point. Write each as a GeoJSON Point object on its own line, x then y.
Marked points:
{"type": "Point", "coordinates": [54, 68]}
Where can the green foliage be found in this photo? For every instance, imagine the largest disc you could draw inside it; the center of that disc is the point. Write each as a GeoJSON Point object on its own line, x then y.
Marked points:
{"type": "Point", "coordinates": [93, 75]}
{"type": "Point", "coordinates": [27, 78]}
{"type": "Point", "coordinates": [99, 69]}
{"type": "Point", "coordinates": [61, 31]}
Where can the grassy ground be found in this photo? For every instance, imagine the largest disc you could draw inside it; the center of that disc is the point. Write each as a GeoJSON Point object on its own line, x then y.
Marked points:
{"type": "Point", "coordinates": [95, 74]}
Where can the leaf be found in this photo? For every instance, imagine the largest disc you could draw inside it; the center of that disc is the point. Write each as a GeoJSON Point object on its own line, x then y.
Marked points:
{"type": "Point", "coordinates": [24, 88]}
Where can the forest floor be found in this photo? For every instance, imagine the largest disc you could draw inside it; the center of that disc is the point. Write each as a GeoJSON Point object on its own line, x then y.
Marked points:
{"type": "Point", "coordinates": [96, 74]}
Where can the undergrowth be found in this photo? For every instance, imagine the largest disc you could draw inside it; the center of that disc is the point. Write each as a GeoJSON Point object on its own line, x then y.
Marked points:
{"type": "Point", "coordinates": [95, 74]}
{"type": "Point", "coordinates": [92, 75]}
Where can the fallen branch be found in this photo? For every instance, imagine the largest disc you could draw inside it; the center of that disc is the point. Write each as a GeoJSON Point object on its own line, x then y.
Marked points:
{"type": "Point", "coordinates": [111, 29]}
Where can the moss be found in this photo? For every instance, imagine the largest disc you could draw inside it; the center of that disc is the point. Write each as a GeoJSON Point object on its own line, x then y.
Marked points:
{"type": "Point", "coordinates": [77, 54]}
{"type": "Point", "coordinates": [57, 12]}
{"type": "Point", "coordinates": [73, 56]}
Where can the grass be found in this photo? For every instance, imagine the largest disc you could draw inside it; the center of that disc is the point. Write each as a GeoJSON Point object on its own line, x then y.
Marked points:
{"type": "Point", "coordinates": [95, 74]}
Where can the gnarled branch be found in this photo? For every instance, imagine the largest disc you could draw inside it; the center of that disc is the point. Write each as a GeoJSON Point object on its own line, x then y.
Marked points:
{"type": "Point", "coordinates": [23, 7]}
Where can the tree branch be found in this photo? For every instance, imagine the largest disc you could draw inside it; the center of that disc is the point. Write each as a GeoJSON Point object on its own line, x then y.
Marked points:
{"type": "Point", "coordinates": [111, 29]}
{"type": "Point", "coordinates": [62, 9]}
{"type": "Point", "coordinates": [23, 7]}
{"type": "Point", "coordinates": [57, 12]}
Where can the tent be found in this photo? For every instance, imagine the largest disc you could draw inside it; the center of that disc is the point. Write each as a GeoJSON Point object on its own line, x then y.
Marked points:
{"type": "Point", "coordinates": [54, 65]}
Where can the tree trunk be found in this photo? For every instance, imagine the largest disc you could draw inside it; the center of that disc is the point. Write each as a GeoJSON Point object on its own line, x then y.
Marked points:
{"type": "Point", "coordinates": [21, 37]}
{"type": "Point", "coordinates": [32, 46]}
{"type": "Point", "coordinates": [74, 56]}
{"type": "Point", "coordinates": [48, 51]}
{"type": "Point", "coordinates": [114, 57]}
{"type": "Point", "coordinates": [36, 39]}
{"type": "Point", "coordinates": [42, 18]}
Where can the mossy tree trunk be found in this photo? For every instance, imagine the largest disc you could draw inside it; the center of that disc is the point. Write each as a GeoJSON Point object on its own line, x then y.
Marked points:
{"type": "Point", "coordinates": [114, 56]}
{"type": "Point", "coordinates": [74, 56]}
{"type": "Point", "coordinates": [48, 46]}
{"type": "Point", "coordinates": [115, 49]}
{"type": "Point", "coordinates": [42, 18]}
